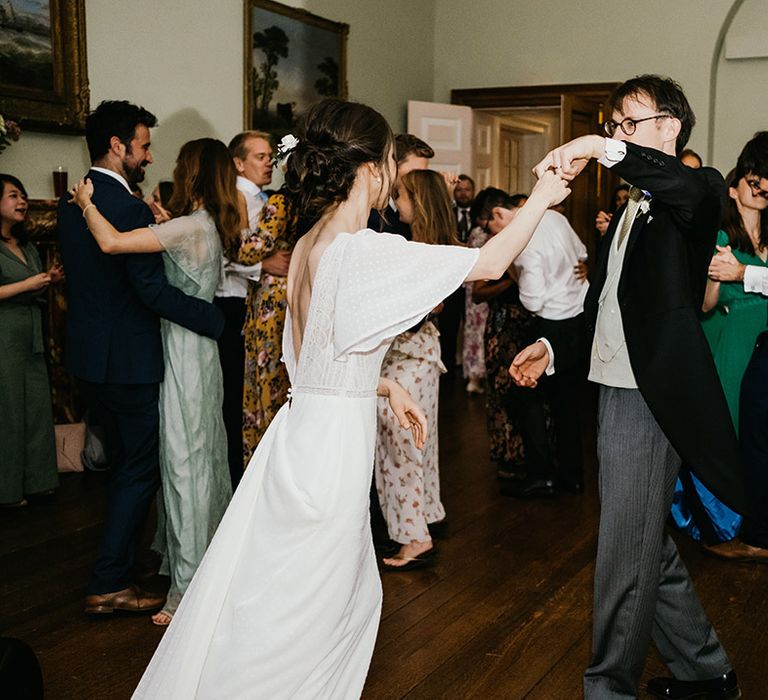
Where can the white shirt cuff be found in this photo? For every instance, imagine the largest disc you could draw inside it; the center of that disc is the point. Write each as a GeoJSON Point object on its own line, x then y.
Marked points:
{"type": "Point", "coordinates": [551, 366]}
{"type": "Point", "coordinates": [247, 272]}
{"type": "Point", "coordinates": [615, 151]}
{"type": "Point", "coordinates": [756, 279]}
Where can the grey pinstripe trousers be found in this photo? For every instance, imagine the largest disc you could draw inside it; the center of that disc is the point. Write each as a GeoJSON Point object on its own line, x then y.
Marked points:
{"type": "Point", "coordinates": [642, 588]}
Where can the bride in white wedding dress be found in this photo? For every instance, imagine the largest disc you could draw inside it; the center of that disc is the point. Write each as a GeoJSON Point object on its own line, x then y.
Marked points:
{"type": "Point", "coordinates": [286, 601]}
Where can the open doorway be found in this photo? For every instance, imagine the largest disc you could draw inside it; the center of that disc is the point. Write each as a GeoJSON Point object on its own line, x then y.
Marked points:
{"type": "Point", "coordinates": [529, 122]}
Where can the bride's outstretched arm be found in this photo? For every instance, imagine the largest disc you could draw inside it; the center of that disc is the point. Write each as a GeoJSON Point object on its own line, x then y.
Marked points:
{"type": "Point", "coordinates": [500, 250]}
{"type": "Point", "coordinates": [407, 411]}
{"type": "Point", "coordinates": [140, 240]}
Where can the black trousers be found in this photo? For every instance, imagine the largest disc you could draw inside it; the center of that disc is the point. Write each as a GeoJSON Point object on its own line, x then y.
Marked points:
{"type": "Point", "coordinates": [129, 415]}
{"type": "Point", "coordinates": [753, 436]}
{"type": "Point", "coordinates": [563, 389]}
{"type": "Point", "coordinates": [232, 358]}
{"type": "Point", "coordinates": [449, 322]}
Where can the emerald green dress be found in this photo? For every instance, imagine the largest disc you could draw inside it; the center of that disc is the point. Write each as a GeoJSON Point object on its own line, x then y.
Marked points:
{"type": "Point", "coordinates": [731, 329]}
{"type": "Point", "coordinates": [742, 321]}
{"type": "Point", "coordinates": [28, 454]}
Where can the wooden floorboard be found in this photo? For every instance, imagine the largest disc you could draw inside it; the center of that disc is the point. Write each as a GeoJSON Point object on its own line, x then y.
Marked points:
{"type": "Point", "coordinates": [505, 612]}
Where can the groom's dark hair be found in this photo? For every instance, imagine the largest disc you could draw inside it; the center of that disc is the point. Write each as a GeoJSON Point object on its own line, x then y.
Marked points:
{"type": "Point", "coordinates": [114, 118]}
{"type": "Point", "coordinates": [668, 98]}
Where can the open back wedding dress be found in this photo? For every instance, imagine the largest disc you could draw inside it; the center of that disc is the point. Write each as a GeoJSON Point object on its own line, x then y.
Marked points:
{"type": "Point", "coordinates": [286, 601]}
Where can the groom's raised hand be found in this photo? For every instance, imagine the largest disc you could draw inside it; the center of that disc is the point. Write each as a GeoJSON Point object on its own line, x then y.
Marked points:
{"type": "Point", "coordinates": [570, 159]}
{"type": "Point", "coordinates": [529, 364]}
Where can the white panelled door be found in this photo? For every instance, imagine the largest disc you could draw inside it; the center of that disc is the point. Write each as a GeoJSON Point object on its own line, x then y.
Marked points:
{"type": "Point", "coordinates": [448, 130]}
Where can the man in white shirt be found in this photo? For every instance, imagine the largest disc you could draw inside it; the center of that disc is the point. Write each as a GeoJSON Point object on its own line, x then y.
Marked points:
{"type": "Point", "coordinates": [552, 288]}
{"type": "Point", "coordinates": [660, 397]}
{"type": "Point", "coordinates": [252, 155]}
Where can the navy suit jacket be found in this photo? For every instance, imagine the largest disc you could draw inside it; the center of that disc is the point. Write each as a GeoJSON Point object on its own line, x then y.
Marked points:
{"type": "Point", "coordinates": [114, 302]}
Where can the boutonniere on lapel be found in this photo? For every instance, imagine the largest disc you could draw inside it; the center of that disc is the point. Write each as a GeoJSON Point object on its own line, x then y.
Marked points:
{"type": "Point", "coordinates": [645, 206]}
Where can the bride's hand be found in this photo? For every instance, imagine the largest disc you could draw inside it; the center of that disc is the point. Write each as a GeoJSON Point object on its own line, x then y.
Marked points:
{"type": "Point", "coordinates": [406, 410]}
{"type": "Point", "coordinates": [552, 187]}
{"type": "Point", "coordinates": [81, 193]}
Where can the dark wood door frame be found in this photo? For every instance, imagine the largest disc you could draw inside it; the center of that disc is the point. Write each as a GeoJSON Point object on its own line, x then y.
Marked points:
{"type": "Point", "coordinates": [530, 95]}
{"type": "Point", "coordinates": [583, 102]}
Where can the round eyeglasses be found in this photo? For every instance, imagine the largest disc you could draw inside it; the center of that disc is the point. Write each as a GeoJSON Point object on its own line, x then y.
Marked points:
{"type": "Point", "coordinates": [629, 125]}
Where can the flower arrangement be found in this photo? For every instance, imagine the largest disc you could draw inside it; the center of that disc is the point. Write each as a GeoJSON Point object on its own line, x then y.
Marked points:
{"type": "Point", "coordinates": [9, 132]}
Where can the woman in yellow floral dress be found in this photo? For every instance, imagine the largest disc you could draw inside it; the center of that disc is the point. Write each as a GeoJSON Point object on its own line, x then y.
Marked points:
{"type": "Point", "coordinates": [266, 379]}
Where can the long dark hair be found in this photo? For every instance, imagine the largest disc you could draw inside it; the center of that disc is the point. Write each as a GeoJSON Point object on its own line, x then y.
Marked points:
{"type": "Point", "coordinates": [205, 174]}
{"type": "Point", "coordinates": [17, 230]}
{"type": "Point", "coordinates": [334, 139]}
{"type": "Point", "coordinates": [734, 226]}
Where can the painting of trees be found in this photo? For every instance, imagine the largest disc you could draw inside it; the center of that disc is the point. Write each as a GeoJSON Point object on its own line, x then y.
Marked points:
{"type": "Point", "coordinates": [293, 59]}
{"type": "Point", "coordinates": [273, 43]}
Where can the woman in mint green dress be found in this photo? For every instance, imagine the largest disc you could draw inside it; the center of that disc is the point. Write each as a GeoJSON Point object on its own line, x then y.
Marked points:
{"type": "Point", "coordinates": [194, 471]}
{"type": "Point", "coordinates": [734, 318]}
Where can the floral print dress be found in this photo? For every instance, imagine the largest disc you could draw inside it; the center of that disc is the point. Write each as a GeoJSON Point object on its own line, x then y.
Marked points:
{"type": "Point", "coordinates": [507, 331]}
{"type": "Point", "coordinates": [475, 316]}
{"type": "Point", "coordinates": [266, 379]}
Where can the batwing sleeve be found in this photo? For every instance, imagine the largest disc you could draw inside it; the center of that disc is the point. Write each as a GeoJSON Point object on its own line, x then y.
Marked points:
{"type": "Point", "coordinates": [387, 284]}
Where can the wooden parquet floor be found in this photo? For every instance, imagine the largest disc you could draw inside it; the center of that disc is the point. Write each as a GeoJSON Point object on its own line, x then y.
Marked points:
{"type": "Point", "coordinates": [504, 613]}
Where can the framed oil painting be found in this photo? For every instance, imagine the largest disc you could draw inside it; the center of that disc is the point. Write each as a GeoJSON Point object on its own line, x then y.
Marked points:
{"type": "Point", "coordinates": [292, 59]}
{"type": "Point", "coordinates": [43, 69]}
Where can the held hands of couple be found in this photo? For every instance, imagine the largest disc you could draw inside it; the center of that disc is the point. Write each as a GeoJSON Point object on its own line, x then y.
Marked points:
{"type": "Point", "coordinates": [569, 160]}
{"type": "Point", "coordinates": [529, 364]}
{"type": "Point", "coordinates": [724, 267]}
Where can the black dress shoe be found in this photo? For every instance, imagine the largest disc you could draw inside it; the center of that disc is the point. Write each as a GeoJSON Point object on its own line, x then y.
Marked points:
{"type": "Point", "coordinates": [725, 687]}
{"type": "Point", "coordinates": [570, 485]}
{"type": "Point", "coordinates": [530, 488]}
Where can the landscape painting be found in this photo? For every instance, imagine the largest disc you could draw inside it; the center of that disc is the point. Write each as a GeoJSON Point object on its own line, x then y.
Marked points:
{"type": "Point", "coordinates": [26, 48]}
{"type": "Point", "coordinates": [43, 68]}
{"type": "Point", "coordinates": [293, 59]}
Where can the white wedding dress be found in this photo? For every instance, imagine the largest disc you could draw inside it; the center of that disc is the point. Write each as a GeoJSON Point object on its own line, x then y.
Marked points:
{"type": "Point", "coordinates": [286, 601]}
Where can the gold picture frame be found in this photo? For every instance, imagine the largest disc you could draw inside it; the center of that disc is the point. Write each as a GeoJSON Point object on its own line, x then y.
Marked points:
{"type": "Point", "coordinates": [44, 74]}
{"type": "Point", "coordinates": [293, 58]}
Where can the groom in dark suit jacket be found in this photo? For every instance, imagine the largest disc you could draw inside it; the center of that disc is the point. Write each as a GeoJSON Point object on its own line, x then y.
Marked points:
{"type": "Point", "coordinates": [660, 397]}
{"type": "Point", "coordinates": [113, 344]}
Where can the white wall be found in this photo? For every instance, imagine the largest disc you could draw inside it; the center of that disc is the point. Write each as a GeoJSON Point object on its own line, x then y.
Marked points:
{"type": "Point", "coordinates": [183, 60]}
{"type": "Point", "coordinates": [518, 42]}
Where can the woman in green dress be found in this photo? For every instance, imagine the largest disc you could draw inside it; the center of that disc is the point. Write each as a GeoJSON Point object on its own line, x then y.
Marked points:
{"type": "Point", "coordinates": [28, 455]}
{"type": "Point", "coordinates": [208, 218]}
{"type": "Point", "coordinates": [734, 318]}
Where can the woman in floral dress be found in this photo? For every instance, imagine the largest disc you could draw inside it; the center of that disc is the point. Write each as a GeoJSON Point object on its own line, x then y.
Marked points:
{"type": "Point", "coordinates": [475, 314]}
{"type": "Point", "coordinates": [408, 478]}
{"type": "Point", "coordinates": [266, 379]}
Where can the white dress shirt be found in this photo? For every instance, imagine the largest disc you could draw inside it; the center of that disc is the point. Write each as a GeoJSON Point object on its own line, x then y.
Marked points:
{"type": "Point", "coordinates": [115, 175]}
{"type": "Point", "coordinates": [548, 286]}
{"type": "Point", "coordinates": [234, 276]}
{"type": "Point", "coordinates": [609, 358]}
{"type": "Point", "coordinates": [756, 279]}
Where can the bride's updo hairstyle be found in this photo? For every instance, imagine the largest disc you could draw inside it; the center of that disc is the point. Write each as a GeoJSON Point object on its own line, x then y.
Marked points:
{"type": "Point", "coordinates": [334, 139]}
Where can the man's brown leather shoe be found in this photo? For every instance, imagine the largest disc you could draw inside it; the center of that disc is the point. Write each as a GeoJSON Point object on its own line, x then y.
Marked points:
{"type": "Point", "coordinates": [131, 600]}
{"type": "Point", "coordinates": [736, 550]}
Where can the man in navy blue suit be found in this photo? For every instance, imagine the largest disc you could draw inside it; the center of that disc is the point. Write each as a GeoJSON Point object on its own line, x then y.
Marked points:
{"type": "Point", "coordinates": [113, 344]}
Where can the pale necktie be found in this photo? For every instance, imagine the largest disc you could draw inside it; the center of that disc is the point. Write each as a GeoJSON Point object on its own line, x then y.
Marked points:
{"type": "Point", "coordinates": [633, 203]}
{"type": "Point", "coordinates": [463, 224]}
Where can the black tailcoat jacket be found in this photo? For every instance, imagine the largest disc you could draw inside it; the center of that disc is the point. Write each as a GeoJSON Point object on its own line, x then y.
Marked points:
{"type": "Point", "coordinates": [660, 293]}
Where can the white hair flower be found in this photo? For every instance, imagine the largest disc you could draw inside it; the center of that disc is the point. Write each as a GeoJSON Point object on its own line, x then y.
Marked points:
{"type": "Point", "coordinates": [286, 145]}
